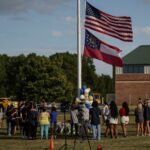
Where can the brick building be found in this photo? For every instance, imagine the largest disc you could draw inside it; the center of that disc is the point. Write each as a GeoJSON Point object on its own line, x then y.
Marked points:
{"type": "Point", "coordinates": [133, 80]}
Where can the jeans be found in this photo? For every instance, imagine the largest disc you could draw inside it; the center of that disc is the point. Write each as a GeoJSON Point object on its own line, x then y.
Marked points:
{"type": "Point", "coordinates": [9, 128]}
{"type": "Point", "coordinates": [96, 131]}
{"type": "Point", "coordinates": [44, 131]}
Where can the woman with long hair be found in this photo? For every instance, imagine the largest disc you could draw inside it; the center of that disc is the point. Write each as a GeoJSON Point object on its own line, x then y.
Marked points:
{"type": "Point", "coordinates": [44, 123]}
{"type": "Point", "coordinates": [113, 119]}
{"type": "Point", "coordinates": [124, 117]}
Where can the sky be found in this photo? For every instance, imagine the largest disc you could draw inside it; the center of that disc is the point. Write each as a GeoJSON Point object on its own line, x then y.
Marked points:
{"type": "Point", "coordinates": [45, 27]}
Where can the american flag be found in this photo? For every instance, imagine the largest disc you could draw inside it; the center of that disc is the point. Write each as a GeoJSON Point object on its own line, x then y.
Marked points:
{"type": "Point", "coordinates": [116, 26]}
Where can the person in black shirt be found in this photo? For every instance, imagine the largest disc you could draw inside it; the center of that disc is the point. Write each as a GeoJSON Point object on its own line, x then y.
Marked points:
{"type": "Point", "coordinates": [9, 119]}
{"type": "Point", "coordinates": [32, 122]}
{"type": "Point", "coordinates": [95, 113]}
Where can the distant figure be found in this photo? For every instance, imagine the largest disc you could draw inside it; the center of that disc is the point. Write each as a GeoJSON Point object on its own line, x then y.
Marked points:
{"type": "Point", "coordinates": [83, 118]}
{"type": "Point", "coordinates": [44, 123]}
{"type": "Point", "coordinates": [147, 117]}
{"type": "Point", "coordinates": [139, 118]}
{"type": "Point", "coordinates": [53, 118]}
{"type": "Point", "coordinates": [1, 116]}
{"type": "Point", "coordinates": [24, 119]}
{"type": "Point", "coordinates": [74, 119]}
{"type": "Point", "coordinates": [106, 117]}
{"type": "Point", "coordinates": [113, 119]}
{"type": "Point", "coordinates": [124, 117]}
{"type": "Point", "coordinates": [95, 113]}
{"type": "Point", "coordinates": [9, 119]}
{"type": "Point", "coordinates": [32, 122]}
{"type": "Point", "coordinates": [14, 121]}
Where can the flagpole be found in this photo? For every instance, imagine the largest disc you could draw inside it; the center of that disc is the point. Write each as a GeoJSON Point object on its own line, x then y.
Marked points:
{"type": "Point", "coordinates": [79, 48]}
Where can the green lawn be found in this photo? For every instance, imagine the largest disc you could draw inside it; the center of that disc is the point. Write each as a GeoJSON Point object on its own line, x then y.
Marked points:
{"type": "Point", "coordinates": [129, 143]}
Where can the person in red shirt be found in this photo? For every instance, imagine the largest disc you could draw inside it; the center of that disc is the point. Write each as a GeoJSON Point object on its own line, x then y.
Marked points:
{"type": "Point", "coordinates": [124, 117]}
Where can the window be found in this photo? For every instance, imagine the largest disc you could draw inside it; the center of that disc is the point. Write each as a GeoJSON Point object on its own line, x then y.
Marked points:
{"type": "Point", "coordinates": [133, 69]}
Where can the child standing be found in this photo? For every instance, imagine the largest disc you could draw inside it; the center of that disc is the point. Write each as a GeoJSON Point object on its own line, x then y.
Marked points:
{"type": "Point", "coordinates": [53, 117]}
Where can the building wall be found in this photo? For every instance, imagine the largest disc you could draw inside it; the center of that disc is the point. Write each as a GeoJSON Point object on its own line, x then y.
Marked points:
{"type": "Point", "coordinates": [129, 87]}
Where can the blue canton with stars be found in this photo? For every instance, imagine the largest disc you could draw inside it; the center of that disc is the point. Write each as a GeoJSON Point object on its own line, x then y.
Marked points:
{"type": "Point", "coordinates": [91, 41]}
{"type": "Point", "coordinates": [92, 11]}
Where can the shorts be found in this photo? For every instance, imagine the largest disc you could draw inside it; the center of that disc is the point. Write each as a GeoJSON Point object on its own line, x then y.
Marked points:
{"type": "Point", "coordinates": [113, 120]}
{"type": "Point", "coordinates": [124, 119]}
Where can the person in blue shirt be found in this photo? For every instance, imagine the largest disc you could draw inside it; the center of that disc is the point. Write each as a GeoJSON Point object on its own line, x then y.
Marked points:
{"type": "Point", "coordinates": [53, 117]}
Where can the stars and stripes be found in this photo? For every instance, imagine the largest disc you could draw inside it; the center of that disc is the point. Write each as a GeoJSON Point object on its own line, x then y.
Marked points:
{"type": "Point", "coordinates": [116, 26]}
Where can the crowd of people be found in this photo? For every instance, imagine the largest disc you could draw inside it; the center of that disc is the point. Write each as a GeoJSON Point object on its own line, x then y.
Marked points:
{"type": "Point", "coordinates": [84, 119]}
{"type": "Point", "coordinates": [27, 118]}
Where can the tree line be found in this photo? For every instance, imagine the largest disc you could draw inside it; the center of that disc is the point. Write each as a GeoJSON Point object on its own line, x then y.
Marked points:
{"type": "Point", "coordinates": [54, 78]}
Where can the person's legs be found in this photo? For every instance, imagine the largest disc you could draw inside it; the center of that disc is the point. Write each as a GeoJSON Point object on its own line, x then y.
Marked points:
{"type": "Point", "coordinates": [99, 132]}
{"type": "Point", "coordinates": [148, 127]}
{"type": "Point", "coordinates": [107, 128]}
{"type": "Point", "coordinates": [72, 124]}
{"type": "Point", "coordinates": [126, 132]}
{"type": "Point", "coordinates": [124, 129]}
{"type": "Point", "coordinates": [115, 131]}
{"type": "Point", "coordinates": [138, 129]}
{"type": "Point", "coordinates": [112, 130]}
{"type": "Point", "coordinates": [76, 128]}
{"type": "Point", "coordinates": [14, 129]}
{"type": "Point", "coordinates": [42, 131]}
{"type": "Point", "coordinates": [35, 131]}
{"type": "Point", "coordinates": [94, 131]}
{"type": "Point", "coordinates": [46, 131]}
{"type": "Point", "coordinates": [142, 129]}
{"type": "Point", "coordinates": [9, 128]}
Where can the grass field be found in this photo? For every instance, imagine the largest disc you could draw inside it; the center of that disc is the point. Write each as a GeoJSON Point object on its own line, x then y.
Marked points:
{"type": "Point", "coordinates": [132, 142]}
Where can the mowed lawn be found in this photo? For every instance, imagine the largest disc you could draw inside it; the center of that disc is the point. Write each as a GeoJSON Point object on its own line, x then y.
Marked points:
{"type": "Point", "coordinates": [132, 142]}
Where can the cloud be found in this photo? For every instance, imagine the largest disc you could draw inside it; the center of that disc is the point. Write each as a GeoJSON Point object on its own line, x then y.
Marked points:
{"type": "Point", "coordinates": [144, 1]}
{"type": "Point", "coordinates": [57, 33]}
{"type": "Point", "coordinates": [8, 7]}
{"type": "Point", "coordinates": [70, 19]}
{"type": "Point", "coordinates": [144, 31]}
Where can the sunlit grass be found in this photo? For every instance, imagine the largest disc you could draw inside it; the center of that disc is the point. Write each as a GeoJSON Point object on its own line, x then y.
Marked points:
{"type": "Point", "coordinates": [129, 143]}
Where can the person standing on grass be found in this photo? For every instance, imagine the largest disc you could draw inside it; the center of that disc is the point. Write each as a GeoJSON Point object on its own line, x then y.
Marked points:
{"type": "Point", "coordinates": [124, 117]}
{"type": "Point", "coordinates": [9, 119]}
{"type": "Point", "coordinates": [106, 117]}
{"type": "Point", "coordinates": [32, 122]}
{"type": "Point", "coordinates": [74, 119]}
{"type": "Point", "coordinates": [44, 123]}
{"type": "Point", "coordinates": [139, 118]}
{"type": "Point", "coordinates": [147, 117]}
{"type": "Point", "coordinates": [14, 121]}
{"type": "Point", "coordinates": [113, 119]}
{"type": "Point", "coordinates": [1, 116]}
{"type": "Point", "coordinates": [53, 118]}
{"type": "Point", "coordinates": [95, 113]}
{"type": "Point", "coordinates": [83, 118]}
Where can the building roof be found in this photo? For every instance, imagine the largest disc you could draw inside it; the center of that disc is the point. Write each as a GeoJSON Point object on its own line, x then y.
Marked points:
{"type": "Point", "coordinates": [139, 56]}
